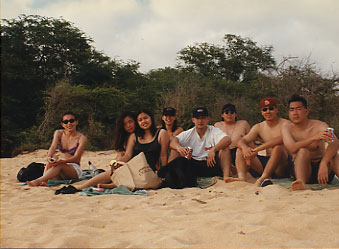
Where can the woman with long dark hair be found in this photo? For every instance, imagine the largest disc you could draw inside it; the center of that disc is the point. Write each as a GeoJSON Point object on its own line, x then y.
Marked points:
{"type": "Point", "coordinates": [124, 127]}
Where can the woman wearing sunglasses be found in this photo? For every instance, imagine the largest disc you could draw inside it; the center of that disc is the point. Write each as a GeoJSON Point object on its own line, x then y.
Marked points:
{"type": "Point", "coordinates": [71, 145]}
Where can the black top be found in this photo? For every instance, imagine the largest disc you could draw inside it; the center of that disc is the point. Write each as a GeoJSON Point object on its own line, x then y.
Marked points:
{"type": "Point", "coordinates": [151, 150]}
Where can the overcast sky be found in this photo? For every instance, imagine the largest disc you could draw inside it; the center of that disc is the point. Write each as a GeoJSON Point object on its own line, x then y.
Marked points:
{"type": "Point", "coordinates": [152, 32]}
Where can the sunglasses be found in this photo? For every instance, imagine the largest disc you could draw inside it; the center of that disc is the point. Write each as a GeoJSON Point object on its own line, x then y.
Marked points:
{"type": "Point", "coordinates": [229, 111]}
{"type": "Point", "coordinates": [66, 121]}
{"type": "Point", "coordinates": [265, 109]}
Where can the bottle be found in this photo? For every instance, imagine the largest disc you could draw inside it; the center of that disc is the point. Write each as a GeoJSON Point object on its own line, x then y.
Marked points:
{"type": "Point", "coordinates": [92, 168]}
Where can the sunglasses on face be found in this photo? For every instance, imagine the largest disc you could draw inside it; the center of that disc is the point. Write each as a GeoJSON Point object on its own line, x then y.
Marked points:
{"type": "Point", "coordinates": [265, 109]}
{"type": "Point", "coordinates": [229, 111]}
{"type": "Point", "coordinates": [70, 120]}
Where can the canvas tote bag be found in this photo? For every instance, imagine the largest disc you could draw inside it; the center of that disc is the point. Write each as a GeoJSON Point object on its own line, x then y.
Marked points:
{"type": "Point", "coordinates": [136, 174]}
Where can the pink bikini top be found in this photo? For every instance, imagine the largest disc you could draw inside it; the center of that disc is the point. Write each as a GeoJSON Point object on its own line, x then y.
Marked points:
{"type": "Point", "coordinates": [70, 151]}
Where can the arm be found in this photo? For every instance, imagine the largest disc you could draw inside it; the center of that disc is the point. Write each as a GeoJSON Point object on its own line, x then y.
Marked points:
{"type": "Point", "coordinates": [164, 141]}
{"type": "Point", "coordinates": [178, 131]}
{"type": "Point", "coordinates": [129, 148]}
{"type": "Point", "coordinates": [176, 146]}
{"type": "Point", "coordinates": [273, 142]}
{"type": "Point", "coordinates": [222, 144]}
{"type": "Point", "coordinates": [331, 151]}
{"type": "Point", "coordinates": [244, 142]}
{"type": "Point", "coordinates": [293, 146]}
{"type": "Point", "coordinates": [54, 145]}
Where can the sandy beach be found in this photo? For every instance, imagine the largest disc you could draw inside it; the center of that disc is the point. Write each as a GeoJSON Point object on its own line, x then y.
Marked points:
{"type": "Point", "coordinates": [225, 215]}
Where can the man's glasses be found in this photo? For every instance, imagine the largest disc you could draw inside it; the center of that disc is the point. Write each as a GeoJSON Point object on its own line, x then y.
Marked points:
{"type": "Point", "coordinates": [66, 121]}
{"type": "Point", "coordinates": [265, 109]}
{"type": "Point", "coordinates": [229, 111]}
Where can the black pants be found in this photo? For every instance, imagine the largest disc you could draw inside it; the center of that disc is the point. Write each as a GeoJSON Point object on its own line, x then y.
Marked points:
{"type": "Point", "coordinates": [202, 169]}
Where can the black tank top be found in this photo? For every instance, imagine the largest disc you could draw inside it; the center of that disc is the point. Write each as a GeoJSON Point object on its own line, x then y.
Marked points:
{"type": "Point", "coordinates": [151, 150]}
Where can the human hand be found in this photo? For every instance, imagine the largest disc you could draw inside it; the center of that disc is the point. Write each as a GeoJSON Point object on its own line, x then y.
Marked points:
{"type": "Point", "coordinates": [323, 174]}
{"type": "Point", "coordinates": [323, 135]}
{"type": "Point", "coordinates": [183, 151]}
{"type": "Point", "coordinates": [211, 158]}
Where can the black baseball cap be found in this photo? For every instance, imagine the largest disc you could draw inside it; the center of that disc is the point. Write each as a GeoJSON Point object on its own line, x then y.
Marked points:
{"type": "Point", "coordinates": [199, 111]}
{"type": "Point", "coordinates": [228, 107]}
{"type": "Point", "coordinates": [169, 111]}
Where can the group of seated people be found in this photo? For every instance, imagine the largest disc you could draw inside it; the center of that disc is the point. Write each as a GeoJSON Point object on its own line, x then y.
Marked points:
{"type": "Point", "coordinates": [300, 147]}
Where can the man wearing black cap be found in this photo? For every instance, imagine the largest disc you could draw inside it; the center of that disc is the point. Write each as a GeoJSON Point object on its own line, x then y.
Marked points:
{"type": "Point", "coordinates": [236, 129]}
{"type": "Point", "coordinates": [210, 155]}
{"type": "Point", "coordinates": [276, 162]}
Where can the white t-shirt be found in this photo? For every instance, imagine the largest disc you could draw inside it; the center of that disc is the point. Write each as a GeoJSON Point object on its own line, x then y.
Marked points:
{"type": "Point", "coordinates": [201, 146]}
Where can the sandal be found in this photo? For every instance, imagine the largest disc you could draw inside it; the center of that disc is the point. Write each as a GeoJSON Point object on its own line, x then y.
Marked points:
{"type": "Point", "coordinates": [68, 190]}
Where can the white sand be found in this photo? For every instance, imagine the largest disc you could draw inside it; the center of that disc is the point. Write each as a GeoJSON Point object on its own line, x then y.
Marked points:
{"type": "Point", "coordinates": [233, 215]}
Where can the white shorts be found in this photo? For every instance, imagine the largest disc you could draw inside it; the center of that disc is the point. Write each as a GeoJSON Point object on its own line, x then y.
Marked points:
{"type": "Point", "coordinates": [77, 168]}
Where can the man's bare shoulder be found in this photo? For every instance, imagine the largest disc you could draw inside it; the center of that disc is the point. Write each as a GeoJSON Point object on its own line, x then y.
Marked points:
{"type": "Point", "coordinates": [242, 122]}
{"type": "Point", "coordinates": [283, 121]}
{"type": "Point", "coordinates": [317, 123]}
{"type": "Point", "coordinates": [219, 124]}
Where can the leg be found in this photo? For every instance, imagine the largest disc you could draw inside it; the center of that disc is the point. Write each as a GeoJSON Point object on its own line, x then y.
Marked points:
{"type": "Point", "coordinates": [225, 162]}
{"type": "Point", "coordinates": [242, 167]}
{"type": "Point", "coordinates": [173, 155]}
{"type": "Point", "coordinates": [64, 170]}
{"type": "Point", "coordinates": [302, 169]}
{"type": "Point", "coordinates": [102, 178]}
{"type": "Point", "coordinates": [276, 164]}
{"type": "Point", "coordinates": [334, 164]}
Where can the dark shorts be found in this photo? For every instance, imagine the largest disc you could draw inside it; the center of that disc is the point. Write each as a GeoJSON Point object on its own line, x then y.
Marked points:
{"type": "Point", "coordinates": [314, 174]}
{"type": "Point", "coordinates": [202, 169]}
{"type": "Point", "coordinates": [233, 155]}
{"type": "Point", "coordinates": [263, 160]}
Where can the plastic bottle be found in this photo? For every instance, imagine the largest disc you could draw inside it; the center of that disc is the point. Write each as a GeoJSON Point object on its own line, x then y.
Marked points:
{"type": "Point", "coordinates": [92, 168]}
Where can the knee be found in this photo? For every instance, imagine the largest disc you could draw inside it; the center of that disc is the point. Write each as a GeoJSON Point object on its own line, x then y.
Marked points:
{"type": "Point", "coordinates": [303, 152]}
{"type": "Point", "coordinates": [239, 153]}
{"type": "Point", "coordinates": [277, 149]}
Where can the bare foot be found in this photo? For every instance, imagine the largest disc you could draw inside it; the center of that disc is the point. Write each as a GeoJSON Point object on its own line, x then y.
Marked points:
{"type": "Point", "coordinates": [298, 185]}
{"type": "Point", "coordinates": [34, 183]}
{"type": "Point", "coordinates": [259, 181]}
{"type": "Point", "coordinates": [231, 179]}
{"type": "Point", "coordinates": [43, 184]}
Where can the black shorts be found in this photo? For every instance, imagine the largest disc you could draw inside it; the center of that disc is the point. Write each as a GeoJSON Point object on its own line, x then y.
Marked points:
{"type": "Point", "coordinates": [263, 160]}
{"type": "Point", "coordinates": [314, 174]}
{"type": "Point", "coordinates": [202, 169]}
{"type": "Point", "coordinates": [233, 155]}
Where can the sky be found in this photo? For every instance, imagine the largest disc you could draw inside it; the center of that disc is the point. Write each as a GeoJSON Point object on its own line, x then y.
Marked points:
{"type": "Point", "coordinates": [152, 32]}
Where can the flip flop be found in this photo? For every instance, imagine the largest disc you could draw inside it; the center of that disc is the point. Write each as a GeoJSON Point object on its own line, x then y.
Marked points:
{"type": "Point", "coordinates": [68, 190]}
{"type": "Point", "coordinates": [266, 182]}
{"type": "Point", "coordinates": [58, 191]}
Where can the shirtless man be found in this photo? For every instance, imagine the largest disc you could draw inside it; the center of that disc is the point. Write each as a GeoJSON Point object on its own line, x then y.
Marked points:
{"type": "Point", "coordinates": [236, 129]}
{"type": "Point", "coordinates": [305, 139]}
{"type": "Point", "coordinates": [269, 132]}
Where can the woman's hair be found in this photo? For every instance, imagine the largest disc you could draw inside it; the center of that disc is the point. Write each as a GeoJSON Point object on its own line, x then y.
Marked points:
{"type": "Point", "coordinates": [174, 127]}
{"type": "Point", "coordinates": [140, 132]}
{"type": "Point", "coordinates": [68, 113]}
{"type": "Point", "coordinates": [120, 134]}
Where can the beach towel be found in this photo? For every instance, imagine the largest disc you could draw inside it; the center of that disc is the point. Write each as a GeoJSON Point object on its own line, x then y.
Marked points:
{"type": "Point", "coordinates": [120, 190]}
{"type": "Point", "coordinates": [286, 183]}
